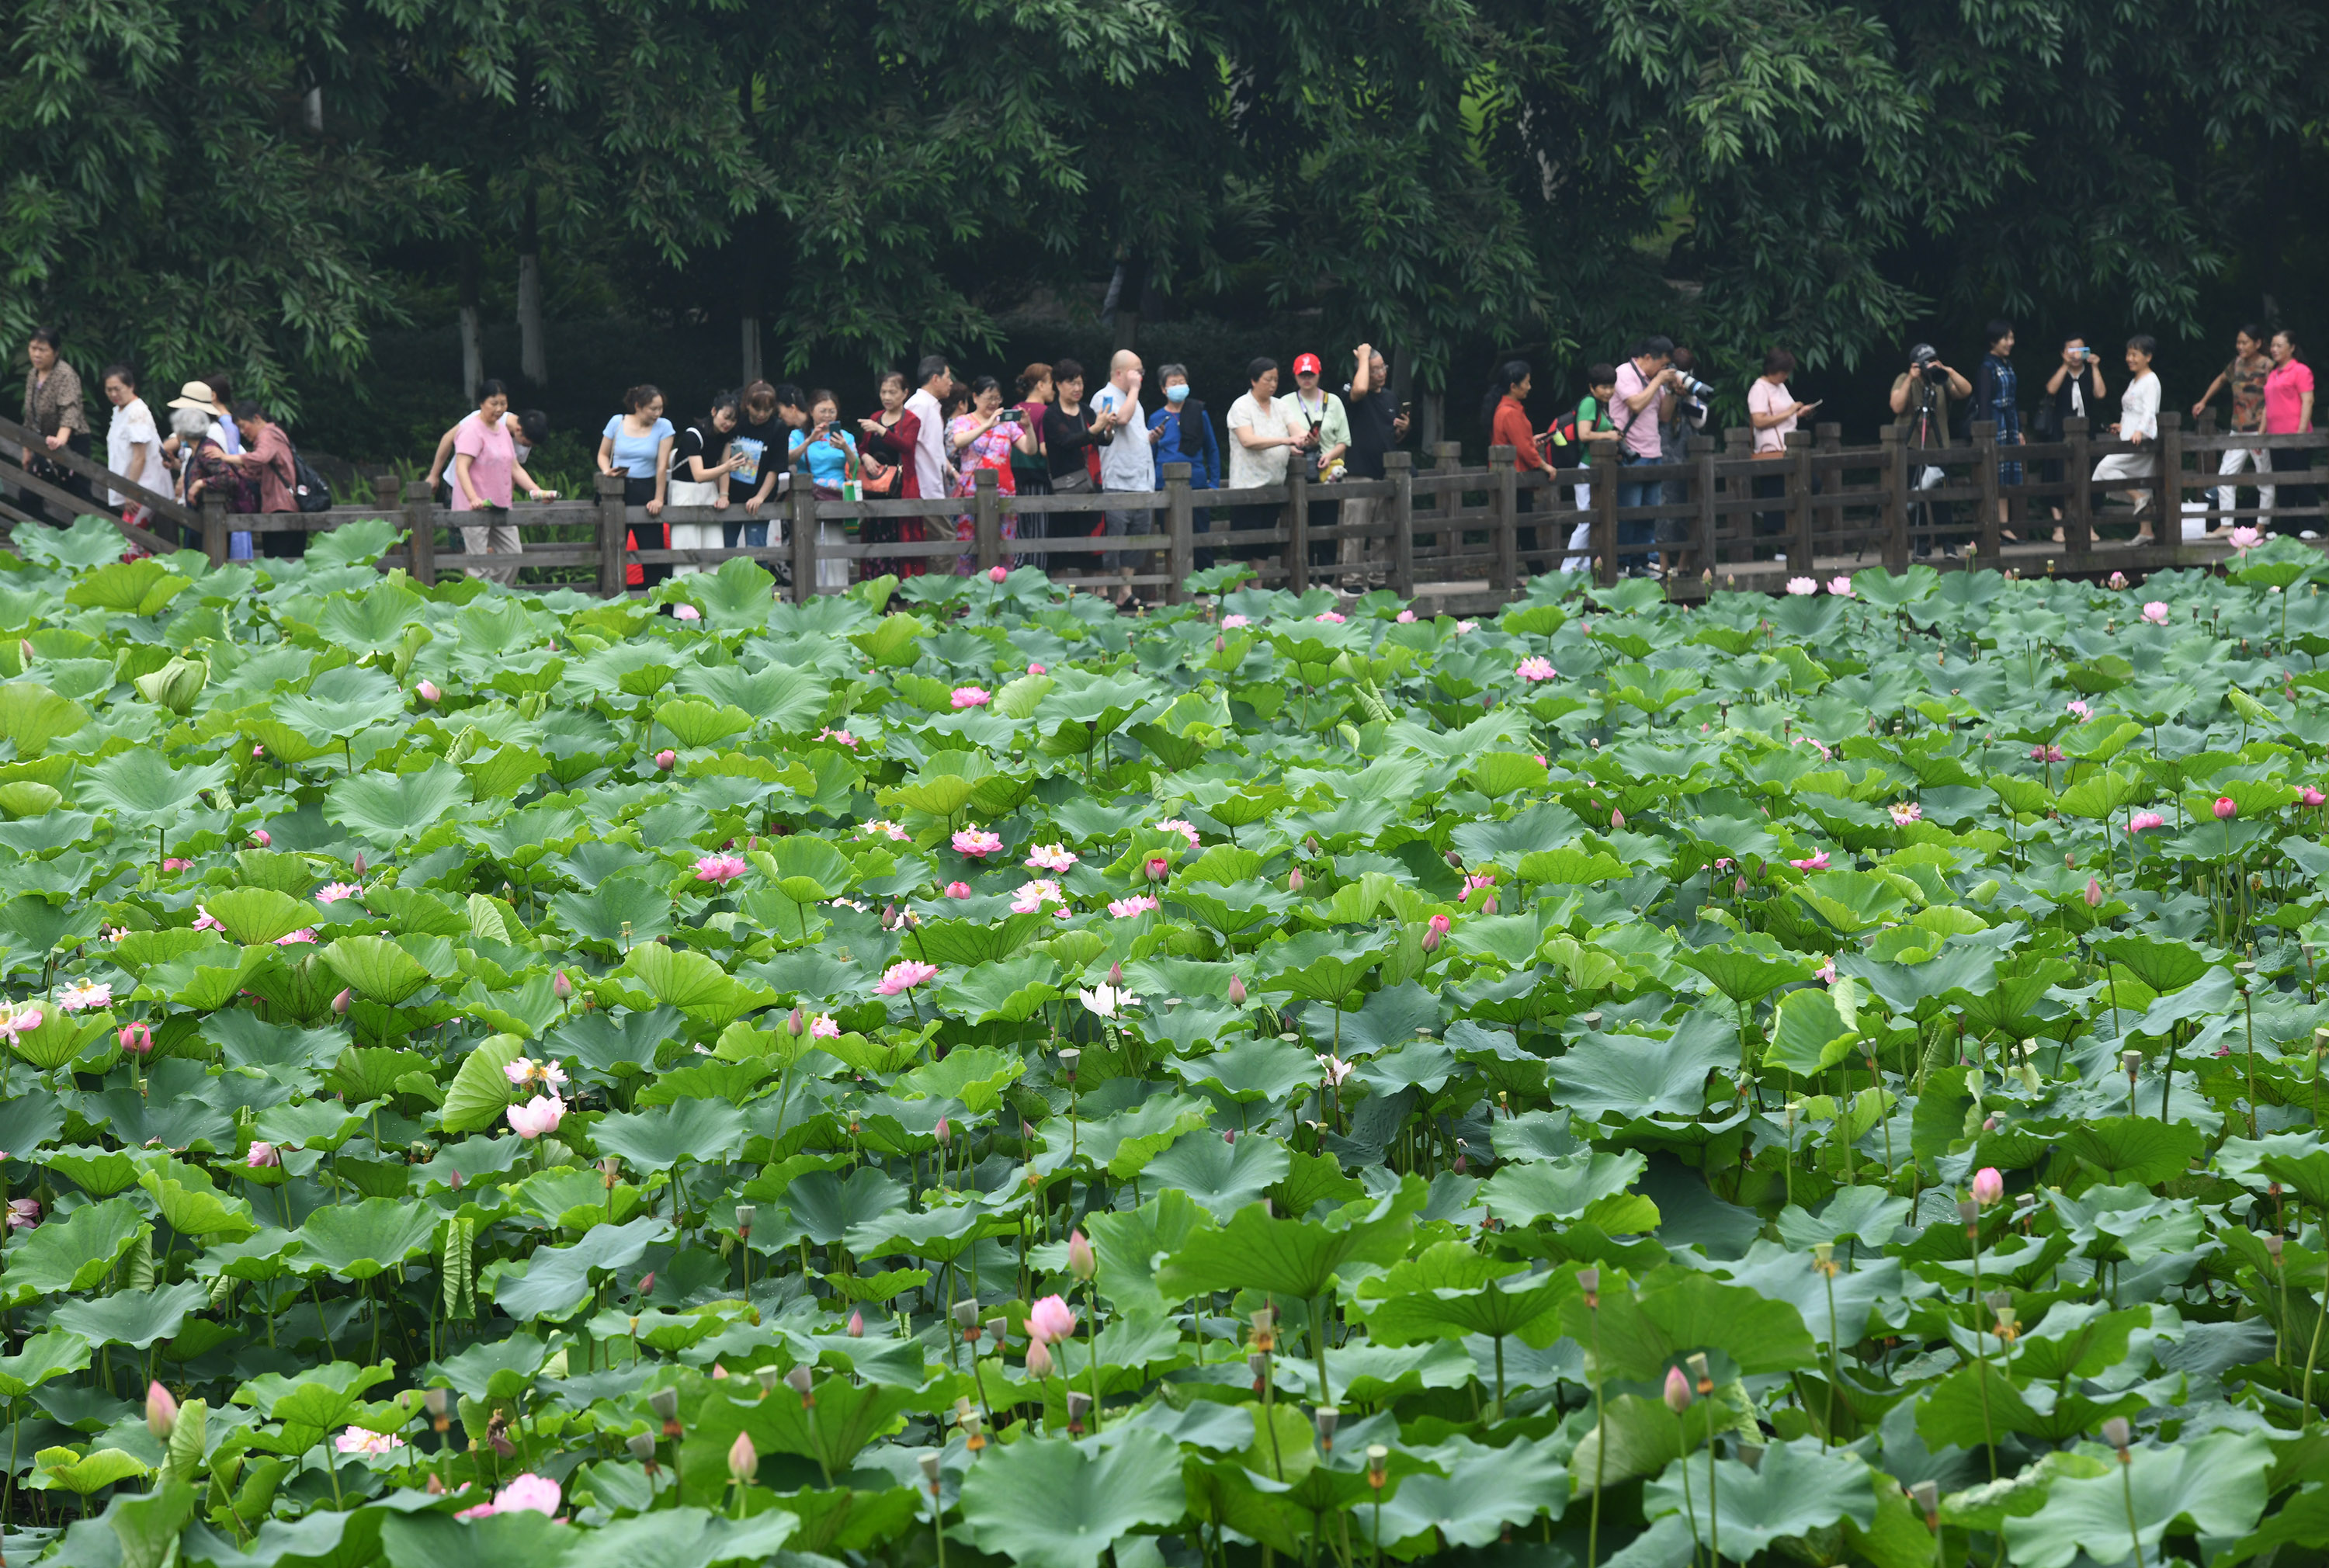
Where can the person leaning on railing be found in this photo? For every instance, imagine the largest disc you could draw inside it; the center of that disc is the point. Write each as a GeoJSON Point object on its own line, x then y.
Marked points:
{"type": "Point", "coordinates": [1185, 433]}
{"type": "Point", "coordinates": [484, 468]}
{"type": "Point", "coordinates": [700, 463]}
{"type": "Point", "coordinates": [1504, 409]}
{"type": "Point", "coordinates": [2288, 411]}
{"type": "Point", "coordinates": [2244, 375]}
{"type": "Point", "coordinates": [2138, 423]}
{"type": "Point", "coordinates": [54, 412]}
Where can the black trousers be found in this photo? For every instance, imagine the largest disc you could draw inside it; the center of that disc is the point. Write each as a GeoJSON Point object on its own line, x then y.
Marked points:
{"type": "Point", "coordinates": [2294, 460]}
{"type": "Point", "coordinates": [638, 491]}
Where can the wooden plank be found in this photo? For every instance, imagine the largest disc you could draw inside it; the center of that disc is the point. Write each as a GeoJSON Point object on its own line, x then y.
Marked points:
{"type": "Point", "coordinates": [152, 543]}
{"type": "Point", "coordinates": [163, 503]}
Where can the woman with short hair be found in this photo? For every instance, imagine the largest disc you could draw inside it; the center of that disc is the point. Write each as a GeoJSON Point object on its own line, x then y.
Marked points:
{"type": "Point", "coordinates": [53, 412]}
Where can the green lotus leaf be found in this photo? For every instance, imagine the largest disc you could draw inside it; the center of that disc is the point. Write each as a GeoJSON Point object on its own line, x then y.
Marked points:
{"type": "Point", "coordinates": [376, 968]}
{"type": "Point", "coordinates": [480, 1088]}
{"type": "Point", "coordinates": [84, 1474]}
{"type": "Point", "coordinates": [702, 1130]}
{"type": "Point", "coordinates": [1795, 1490]}
{"type": "Point", "coordinates": [1294, 1257]}
{"type": "Point", "coordinates": [138, 790]}
{"type": "Point", "coordinates": [355, 1241]}
{"type": "Point", "coordinates": [51, 1353]}
{"type": "Point", "coordinates": [1049, 1502]}
{"type": "Point", "coordinates": [258, 915]}
{"type": "Point", "coordinates": [72, 1252]}
{"type": "Point", "coordinates": [389, 809]}
{"type": "Point", "coordinates": [132, 1318]}
{"type": "Point", "coordinates": [2217, 1483]}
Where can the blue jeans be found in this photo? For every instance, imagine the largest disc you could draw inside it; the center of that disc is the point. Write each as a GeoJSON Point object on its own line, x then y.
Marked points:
{"type": "Point", "coordinates": [1635, 493]}
{"type": "Point", "coordinates": [755, 535]}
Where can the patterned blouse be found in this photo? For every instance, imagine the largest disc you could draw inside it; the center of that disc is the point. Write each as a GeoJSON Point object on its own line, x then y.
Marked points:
{"type": "Point", "coordinates": [54, 403]}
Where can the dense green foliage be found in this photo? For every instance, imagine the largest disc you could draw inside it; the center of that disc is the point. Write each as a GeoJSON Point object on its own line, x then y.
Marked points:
{"type": "Point", "coordinates": [1609, 1082]}
{"type": "Point", "coordinates": [259, 191]}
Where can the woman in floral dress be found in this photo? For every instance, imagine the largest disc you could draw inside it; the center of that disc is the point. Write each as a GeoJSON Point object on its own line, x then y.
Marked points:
{"type": "Point", "coordinates": [985, 438]}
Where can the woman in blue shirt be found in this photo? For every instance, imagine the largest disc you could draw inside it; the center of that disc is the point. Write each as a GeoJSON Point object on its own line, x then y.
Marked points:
{"type": "Point", "coordinates": [829, 455]}
{"type": "Point", "coordinates": [1185, 433]}
{"type": "Point", "coordinates": [636, 446]}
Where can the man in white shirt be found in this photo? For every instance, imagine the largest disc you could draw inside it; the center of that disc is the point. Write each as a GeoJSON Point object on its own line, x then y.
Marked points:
{"type": "Point", "coordinates": [1125, 463]}
{"type": "Point", "coordinates": [1260, 447]}
{"type": "Point", "coordinates": [929, 406]}
{"type": "Point", "coordinates": [1321, 427]}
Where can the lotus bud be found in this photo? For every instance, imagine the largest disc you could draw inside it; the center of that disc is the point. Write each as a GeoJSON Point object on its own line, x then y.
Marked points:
{"type": "Point", "coordinates": [560, 986]}
{"type": "Point", "coordinates": [261, 836]}
{"type": "Point", "coordinates": [1081, 1263]}
{"type": "Point", "coordinates": [1988, 1186]}
{"type": "Point", "coordinates": [943, 1132]}
{"type": "Point", "coordinates": [647, 1283]}
{"type": "Point", "coordinates": [1616, 819]}
{"type": "Point", "coordinates": [929, 1462]}
{"type": "Point", "coordinates": [1158, 868]}
{"type": "Point", "coordinates": [1116, 973]}
{"type": "Point", "coordinates": [857, 1325]}
{"type": "Point", "coordinates": [744, 1459]}
{"type": "Point", "coordinates": [1236, 990]}
{"type": "Point", "coordinates": [1488, 905]}
{"type": "Point", "coordinates": [2118, 1433]}
{"type": "Point", "coordinates": [161, 1412]}
{"type": "Point", "coordinates": [1294, 880]}
{"type": "Point", "coordinates": [24, 652]}
{"type": "Point", "coordinates": [358, 868]}
{"type": "Point", "coordinates": [1325, 1418]}
{"type": "Point", "coordinates": [641, 1444]}
{"type": "Point", "coordinates": [136, 1038]}
{"type": "Point", "coordinates": [1079, 1405]}
{"type": "Point", "coordinates": [1678, 1393]}
{"type": "Point", "coordinates": [1699, 1373]}
{"type": "Point", "coordinates": [800, 1379]}
{"type": "Point", "coordinates": [453, 1183]}
{"type": "Point", "coordinates": [2094, 892]}
{"type": "Point", "coordinates": [340, 1003]}
{"type": "Point", "coordinates": [1039, 1360]}
{"type": "Point", "coordinates": [427, 691]}
{"type": "Point", "coordinates": [666, 759]}
{"type": "Point", "coordinates": [745, 1214]}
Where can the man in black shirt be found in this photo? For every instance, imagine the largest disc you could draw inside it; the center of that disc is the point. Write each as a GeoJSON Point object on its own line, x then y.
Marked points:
{"type": "Point", "coordinates": [1377, 425]}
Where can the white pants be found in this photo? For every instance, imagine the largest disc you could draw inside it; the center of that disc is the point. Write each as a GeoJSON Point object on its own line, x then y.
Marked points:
{"type": "Point", "coordinates": [2237, 458]}
{"type": "Point", "coordinates": [831, 570]}
{"type": "Point", "coordinates": [499, 539]}
{"type": "Point", "coordinates": [1353, 550]}
{"type": "Point", "coordinates": [693, 535]}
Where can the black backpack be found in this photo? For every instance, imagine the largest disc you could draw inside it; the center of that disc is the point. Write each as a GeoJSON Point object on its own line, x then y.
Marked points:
{"type": "Point", "coordinates": [313, 493]}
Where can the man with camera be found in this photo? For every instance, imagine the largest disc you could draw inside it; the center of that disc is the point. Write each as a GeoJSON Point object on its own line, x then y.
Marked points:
{"type": "Point", "coordinates": [1647, 384]}
{"type": "Point", "coordinates": [1921, 395]}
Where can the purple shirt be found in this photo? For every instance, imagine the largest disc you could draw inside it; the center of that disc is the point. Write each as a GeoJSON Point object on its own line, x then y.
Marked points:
{"type": "Point", "coordinates": [493, 456]}
{"type": "Point", "coordinates": [1640, 426]}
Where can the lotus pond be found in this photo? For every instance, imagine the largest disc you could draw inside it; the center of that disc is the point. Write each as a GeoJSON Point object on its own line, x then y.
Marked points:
{"type": "Point", "coordinates": [499, 1078]}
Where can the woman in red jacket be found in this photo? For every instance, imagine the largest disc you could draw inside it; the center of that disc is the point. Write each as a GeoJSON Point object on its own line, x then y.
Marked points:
{"type": "Point", "coordinates": [1505, 408]}
{"type": "Point", "coordinates": [889, 435]}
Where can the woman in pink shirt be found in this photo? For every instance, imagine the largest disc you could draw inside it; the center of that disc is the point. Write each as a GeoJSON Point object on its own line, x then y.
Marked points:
{"type": "Point", "coordinates": [2288, 411]}
{"type": "Point", "coordinates": [267, 458]}
{"type": "Point", "coordinates": [485, 466]}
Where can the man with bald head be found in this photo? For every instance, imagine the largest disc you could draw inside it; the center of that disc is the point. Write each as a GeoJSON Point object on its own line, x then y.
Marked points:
{"type": "Point", "coordinates": [1125, 462]}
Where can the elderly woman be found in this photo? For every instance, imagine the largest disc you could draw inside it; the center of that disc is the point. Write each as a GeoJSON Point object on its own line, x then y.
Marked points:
{"type": "Point", "coordinates": [204, 469]}
{"type": "Point", "coordinates": [54, 411]}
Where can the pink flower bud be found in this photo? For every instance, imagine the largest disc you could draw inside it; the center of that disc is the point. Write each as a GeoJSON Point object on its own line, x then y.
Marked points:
{"type": "Point", "coordinates": [2094, 892]}
{"type": "Point", "coordinates": [1158, 868]}
{"type": "Point", "coordinates": [995, 574]}
{"type": "Point", "coordinates": [1678, 1393]}
{"type": "Point", "coordinates": [429, 691]}
{"type": "Point", "coordinates": [1616, 818]}
{"type": "Point", "coordinates": [943, 1132]}
{"type": "Point", "coordinates": [1294, 880]}
{"type": "Point", "coordinates": [1488, 905]}
{"type": "Point", "coordinates": [957, 890]}
{"type": "Point", "coordinates": [1115, 975]}
{"type": "Point", "coordinates": [262, 838]}
{"type": "Point", "coordinates": [2225, 808]}
{"type": "Point", "coordinates": [136, 1038]}
{"type": "Point", "coordinates": [744, 1459]}
{"type": "Point", "coordinates": [1080, 1261]}
{"type": "Point", "coordinates": [1988, 1186]}
{"type": "Point", "coordinates": [857, 1325]}
{"type": "Point", "coordinates": [560, 986]}
{"type": "Point", "coordinates": [1237, 991]}
{"type": "Point", "coordinates": [340, 1004]}
{"type": "Point", "coordinates": [666, 759]}
{"type": "Point", "coordinates": [1039, 1359]}
{"type": "Point", "coordinates": [161, 1412]}
{"type": "Point", "coordinates": [1034, 668]}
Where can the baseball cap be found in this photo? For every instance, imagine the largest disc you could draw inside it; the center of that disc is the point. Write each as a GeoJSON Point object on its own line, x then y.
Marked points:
{"type": "Point", "coordinates": [1307, 365]}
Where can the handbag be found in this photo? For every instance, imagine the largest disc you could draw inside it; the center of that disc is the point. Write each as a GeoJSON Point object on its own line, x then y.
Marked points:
{"type": "Point", "coordinates": [877, 480]}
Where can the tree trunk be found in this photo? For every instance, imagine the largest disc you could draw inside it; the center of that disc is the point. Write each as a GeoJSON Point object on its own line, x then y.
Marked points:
{"type": "Point", "coordinates": [473, 331]}
{"type": "Point", "coordinates": [751, 344]}
{"type": "Point", "coordinates": [1130, 285]}
{"type": "Point", "coordinates": [1435, 419]}
{"type": "Point", "coordinates": [532, 361]}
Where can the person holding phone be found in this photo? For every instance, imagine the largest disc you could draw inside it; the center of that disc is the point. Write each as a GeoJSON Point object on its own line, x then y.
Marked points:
{"type": "Point", "coordinates": [2072, 392]}
{"type": "Point", "coordinates": [1996, 397]}
{"type": "Point", "coordinates": [1377, 423]}
{"type": "Point", "coordinates": [1772, 411]}
{"type": "Point", "coordinates": [485, 467]}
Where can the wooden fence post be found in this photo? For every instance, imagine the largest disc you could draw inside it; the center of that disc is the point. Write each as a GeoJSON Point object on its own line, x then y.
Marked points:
{"type": "Point", "coordinates": [1702, 485]}
{"type": "Point", "coordinates": [804, 540]}
{"type": "Point", "coordinates": [1984, 450]}
{"type": "Point", "coordinates": [214, 541]}
{"type": "Point", "coordinates": [1799, 502]}
{"type": "Point", "coordinates": [1297, 527]}
{"type": "Point", "coordinates": [1503, 526]}
{"type": "Point", "coordinates": [1828, 438]}
{"type": "Point", "coordinates": [1606, 470]}
{"type": "Point", "coordinates": [420, 529]}
{"type": "Point", "coordinates": [2215, 512]}
{"type": "Point", "coordinates": [1446, 457]}
{"type": "Point", "coordinates": [2079, 508]}
{"type": "Point", "coordinates": [986, 518]}
{"type": "Point", "coordinates": [1895, 458]}
{"type": "Point", "coordinates": [1399, 467]}
{"type": "Point", "coordinates": [613, 521]}
{"type": "Point", "coordinates": [2169, 529]}
{"type": "Point", "coordinates": [1181, 531]}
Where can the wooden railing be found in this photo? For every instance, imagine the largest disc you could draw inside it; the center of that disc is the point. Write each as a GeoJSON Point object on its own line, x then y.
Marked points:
{"type": "Point", "coordinates": [1720, 515]}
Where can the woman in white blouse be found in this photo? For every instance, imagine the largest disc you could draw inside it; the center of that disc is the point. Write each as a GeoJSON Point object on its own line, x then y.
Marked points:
{"type": "Point", "coordinates": [2138, 422]}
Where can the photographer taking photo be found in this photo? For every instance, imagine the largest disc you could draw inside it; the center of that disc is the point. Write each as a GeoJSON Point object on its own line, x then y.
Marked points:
{"type": "Point", "coordinates": [1647, 383]}
{"type": "Point", "coordinates": [1921, 395]}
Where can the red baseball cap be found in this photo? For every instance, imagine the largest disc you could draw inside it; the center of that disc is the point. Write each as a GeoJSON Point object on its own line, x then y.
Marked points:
{"type": "Point", "coordinates": [1306, 365]}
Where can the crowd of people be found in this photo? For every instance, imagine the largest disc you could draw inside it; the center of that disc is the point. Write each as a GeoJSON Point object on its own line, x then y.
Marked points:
{"type": "Point", "coordinates": [1055, 432]}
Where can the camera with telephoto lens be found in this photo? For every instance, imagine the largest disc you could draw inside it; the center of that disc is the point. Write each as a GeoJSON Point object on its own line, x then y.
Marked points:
{"type": "Point", "coordinates": [1690, 386]}
{"type": "Point", "coordinates": [1928, 365]}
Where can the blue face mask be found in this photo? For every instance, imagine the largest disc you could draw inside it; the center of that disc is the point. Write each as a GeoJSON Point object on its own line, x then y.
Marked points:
{"type": "Point", "coordinates": [1174, 394]}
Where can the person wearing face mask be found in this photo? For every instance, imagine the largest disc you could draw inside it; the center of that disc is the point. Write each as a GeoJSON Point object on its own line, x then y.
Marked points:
{"type": "Point", "coordinates": [1184, 433]}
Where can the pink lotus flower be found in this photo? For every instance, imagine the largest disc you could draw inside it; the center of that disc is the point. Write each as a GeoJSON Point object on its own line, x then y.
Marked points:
{"type": "Point", "coordinates": [1037, 668]}
{"type": "Point", "coordinates": [2045, 754]}
{"type": "Point", "coordinates": [1032, 896]}
{"type": "Point", "coordinates": [720, 869]}
{"type": "Point", "coordinates": [1231, 623]}
{"type": "Point", "coordinates": [357, 1439]}
{"type": "Point", "coordinates": [1127, 908]}
{"type": "Point", "coordinates": [1535, 669]}
{"type": "Point", "coordinates": [1051, 857]}
{"type": "Point", "coordinates": [2225, 808]}
{"type": "Point", "coordinates": [175, 864]}
{"type": "Point", "coordinates": [1826, 973]}
{"type": "Point", "coordinates": [1186, 829]}
{"type": "Point", "coordinates": [977, 843]}
{"type": "Point", "coordinates": [1817, 863]}
{"type": "Point", "coordinates": [333, 892]}
{"type": "Point", "coordinates": [2077, 710]}
{"type": "Point", "coordinates": [904, 977]}
{"type": "Point", "coordinates": [289, 938]}
{"type": "Point", "coordinates": [1906, 811]}
{"type": "Point", "coordinates": [23, 1213]}
{"type": "Point", "coordinates": [685, 612]}
{"type": "Point", "coordinates": [136, 1038]}
{"type": "Point", "coordinates": [1435, 931]}
{"type": "Point", "coordinates": [1406, 617]}
{"type": "Point", "coordinates": [262, 1156]}
{"type": "Point", "coordinates": [537, 1116]}
{"type": "Point", "coordinates": [1330, 617]}
{"type": "Point", "coordinates": [1474, 884]}
{"type": "Point", "coordinates": [1050, 1320]}
{"type": "Point", "coordinates": [2094, 892]}
{"type": "Point", "coordinates": [970, 697]}
{"type": "Point", "coordinates": [524, 1493]}
{"type": "Point", "coordinates": [1157, 867]}
{"type": "Point", "coordinates": [428, 692]}
{"type": "Point", "coordinates": [666, 759]}
{"type": "Point", "coordinates": [1820, 747]}
{"type": "Point", "coordinates": [2144, 822]}
{"type": "Point", "coordinates": [824, 1026]}
{"type": "Point", "coordinates": [958, 889]}
{"type": "Point", "coordinates": [261, 836]}
{"type": "Point", "coordinates": [82, 996]}
{"type": "Point", "coordinates": [1802, 587]}
{"type": "Point", "coordinates": [997, 574]}
{"type": "Point", "coordinates": [2244, 538]}
{"type": "Point", "coordinates": [890, 831]}
{"type": "Point", "coordinates": [839, 738]}
{"type": "Point", "coordinates": [161, 1412]}
{"type": "Point", "coordinates": [1464, 628]}
{"type": "Point", "coordinates": [1082, 1262]}
{"type": "Point", "coordinates": [2156, 612]}
{"type": "Point", "coordinates": [2117, 581]}
{"type": "Point", "coordinates": [2311, 796]}
{"type": "Point", "coordinates": [258, 751]}
{"type": "Point", "coordinates": [1988, 1186]}
{"type": "Point", "coordinates": [1840, 586]}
